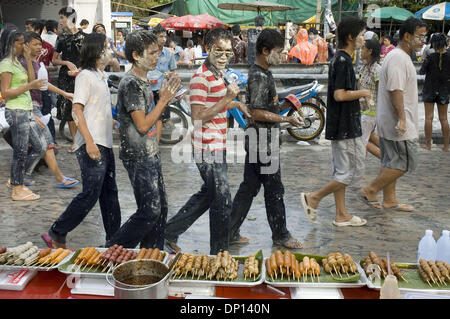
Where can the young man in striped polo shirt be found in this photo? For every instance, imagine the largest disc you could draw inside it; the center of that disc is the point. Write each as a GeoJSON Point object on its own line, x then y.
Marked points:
{"type": "Point", "coordinates": [210, 99]}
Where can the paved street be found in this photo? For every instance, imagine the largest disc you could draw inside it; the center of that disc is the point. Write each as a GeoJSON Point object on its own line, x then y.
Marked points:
{"type": "Point", "coordinates": [304, 168]}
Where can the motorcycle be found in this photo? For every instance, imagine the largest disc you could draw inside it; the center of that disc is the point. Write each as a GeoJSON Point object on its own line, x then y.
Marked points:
{"type": "Point", "coordinates": [312, 114]}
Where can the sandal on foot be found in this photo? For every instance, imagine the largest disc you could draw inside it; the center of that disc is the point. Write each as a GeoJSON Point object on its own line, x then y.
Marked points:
{"type": "Point", "coordinates": [354, 221]}
{"type": "Point", "coordinates": [291, 243]}
{"type": "Point", "coordinates": [400, 208]}
{"type": "Point", "coordinates": [310, 212]}
{"type": "Point", "coordinates": [172, 247]}
{"type": "Point", "coordinates": [67, 179]}
{"type": "Point", "coordinates": [372, 203]}
{"type": "Point", "coordinates": [240, 241]}
{"type": "Point", "coordinates": [28, 197]}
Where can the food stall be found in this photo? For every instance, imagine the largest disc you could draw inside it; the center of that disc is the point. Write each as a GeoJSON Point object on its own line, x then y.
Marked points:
{"type": "Point", "coordinates": [27, 271]}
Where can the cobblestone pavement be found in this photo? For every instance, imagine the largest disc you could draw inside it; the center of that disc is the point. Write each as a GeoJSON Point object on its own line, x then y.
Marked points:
{"type": "Point", "coordinates": [304, 168]}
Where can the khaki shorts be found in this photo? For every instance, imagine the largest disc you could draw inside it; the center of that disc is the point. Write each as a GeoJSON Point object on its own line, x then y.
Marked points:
{"type": "Point", "coordinates": [347, 164]}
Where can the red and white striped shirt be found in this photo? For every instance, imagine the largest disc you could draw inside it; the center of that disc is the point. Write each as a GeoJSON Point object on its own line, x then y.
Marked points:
{"type": "Point", "coordinates": [207, 90]}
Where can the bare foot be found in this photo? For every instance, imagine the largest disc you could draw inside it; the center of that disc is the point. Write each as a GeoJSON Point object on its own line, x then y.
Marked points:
{"type": "Point", "coordinates": [427, 147]}
{"type": "Point", "coordinates": [445, 148]}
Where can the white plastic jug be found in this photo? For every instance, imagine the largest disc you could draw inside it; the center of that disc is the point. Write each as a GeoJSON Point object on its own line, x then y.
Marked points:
{"type": "Point", "coordinates": [427, 247]}
{"type": "Point", "coordinates": [43, 74]}
{"type": "Point", "coordinates": [443, 247]}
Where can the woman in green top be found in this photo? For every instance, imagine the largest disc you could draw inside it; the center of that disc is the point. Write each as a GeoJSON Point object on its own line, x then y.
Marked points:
{"type": "Point", "coordinates": [15, 87]}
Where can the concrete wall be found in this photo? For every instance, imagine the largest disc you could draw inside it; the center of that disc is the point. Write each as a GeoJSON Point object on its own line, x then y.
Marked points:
{"type": "Point", "coordinates": [95, 11]}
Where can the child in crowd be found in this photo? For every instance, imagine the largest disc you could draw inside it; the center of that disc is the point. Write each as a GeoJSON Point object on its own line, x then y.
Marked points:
{"type": "Point", "coordinates": [265, 170]}
{"type": "Point", "coordinates": [343, 126]}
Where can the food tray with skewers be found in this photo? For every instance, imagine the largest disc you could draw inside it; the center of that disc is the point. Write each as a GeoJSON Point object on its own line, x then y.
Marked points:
{"type": "Point", "coordinates": [287, 269]}
{"type": "Point", "coordinates": [219, 270]}
{"type": "Point", "coordinates": [29, 256]}
{"type": "Point", "coordinates": [93, 262]}
{"type": "Point", "coordinates": [427, 276]}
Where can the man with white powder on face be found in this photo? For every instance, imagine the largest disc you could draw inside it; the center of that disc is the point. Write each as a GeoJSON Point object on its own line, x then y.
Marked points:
{"type": "Point", "coordinates": [210, 99]}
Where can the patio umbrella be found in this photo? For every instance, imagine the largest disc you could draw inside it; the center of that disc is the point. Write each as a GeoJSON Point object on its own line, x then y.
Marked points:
{"type": "Point", "coordinates": [216, 23]}
{"type": "Point", "coordinates": [390, 13]}
{"type": "Point", "coordinates": [255, 6]}
{"type": "Point", "coordinates": [440, 11]}
{"type": "Point", "coordinates": [187, 22]}
{"type": "Point", "coordinates": [154, 21]}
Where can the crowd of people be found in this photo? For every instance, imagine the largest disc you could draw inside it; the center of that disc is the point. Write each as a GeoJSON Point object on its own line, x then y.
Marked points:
{"type": "Point", "coordinates": [373, 110]}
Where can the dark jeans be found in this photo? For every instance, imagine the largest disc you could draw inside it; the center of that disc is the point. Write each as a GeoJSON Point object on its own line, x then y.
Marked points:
{"type": "Point", "coordinates": [99, 184]}
{"type": "Point", "coordinates": [273, 197]}
{"type": "Point", "coordinates": [47, 106]}
{"type": "Point", "coordinates": [214, 195]}
{"type": "Point", "coordinates": [25, 132]}
{"type": "Point", "coordinates": [148, 224]}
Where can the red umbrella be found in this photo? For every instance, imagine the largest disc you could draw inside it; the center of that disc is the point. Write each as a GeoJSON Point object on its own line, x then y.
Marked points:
{"type": "Point", "coordinates": [217, 23]}
{"type": "Point", "coordinates": [188, 22]}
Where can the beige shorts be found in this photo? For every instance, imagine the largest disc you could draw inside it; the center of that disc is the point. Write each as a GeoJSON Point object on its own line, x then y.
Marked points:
{"type": "Point", "coordinates": [347, 162]}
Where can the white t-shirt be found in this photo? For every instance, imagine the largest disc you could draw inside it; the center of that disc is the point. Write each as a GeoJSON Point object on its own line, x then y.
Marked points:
{"type": "Point", "coordinates": [397, 73]}
{"type": "Point", "coordinates": [91, 90]}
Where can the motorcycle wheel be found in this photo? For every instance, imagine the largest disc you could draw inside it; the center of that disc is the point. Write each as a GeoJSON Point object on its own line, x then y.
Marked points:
{"type": "Point", "coordinates": [314, 120]}
{"type": "Point", "coordinates": [175, 128]}
{"type": "Point", "coordinates": [62, 131]}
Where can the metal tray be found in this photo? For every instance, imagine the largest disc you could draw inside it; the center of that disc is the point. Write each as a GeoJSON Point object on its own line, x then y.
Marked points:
{"type": "Point", "coordinates": [39, 268]}
{"type": "Point", "coordinates": [325, 279]}
{"type": "Point", "coordinates": [238, 282]}
{"type": "Point", "coordinates": [69, 268]}
{"type": "Point", "coordinates": [411, 274]}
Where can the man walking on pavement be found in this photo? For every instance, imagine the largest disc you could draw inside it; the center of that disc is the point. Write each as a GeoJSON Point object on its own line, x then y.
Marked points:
{"type": "Point", "coordinates": [265, 148]}
{"type": "Point", "coordinates": [210, 99]}
{"type": "Point", "coordinates": [397, 117]}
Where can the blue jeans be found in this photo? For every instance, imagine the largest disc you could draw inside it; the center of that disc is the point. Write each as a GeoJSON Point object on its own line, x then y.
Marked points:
{"type": "Point", "coordinates": [147, 225]}
{"type": "Point", "coordinates": [99, 184]}
{"type": "Point", "coordinates": [25, 132]}
{"type": "Point", "coordinates": [214, 195]}
{"type": "Point", "coordinates": [273, 197]}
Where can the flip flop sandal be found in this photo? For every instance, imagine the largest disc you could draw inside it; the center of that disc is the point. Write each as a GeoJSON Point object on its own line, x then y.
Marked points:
{"type": "Point", "coordinates": [354, 221]}
{"type": "Point", "coordinates": [310, 212]}
{"type": "Point", "coordinates": [240, 241]}
{"type": "Point", "coordinates": [371, 203]}
{"type": "Point", "coordinates": [291, 243]}
{"type": "Point", "coordinates": [29, 197]}
{"type": "Point", "coordinates": [63, 183]}
{"type": "Point", "coordinates": [400, 208]}
{"type": "Point", "coordinates": [48, 240]}
{"type": "Point", "coordinates": [172, 247]}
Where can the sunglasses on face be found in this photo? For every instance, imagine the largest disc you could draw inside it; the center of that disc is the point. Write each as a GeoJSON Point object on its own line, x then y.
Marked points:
{"type": "Point", "coordinates": [218, 54]}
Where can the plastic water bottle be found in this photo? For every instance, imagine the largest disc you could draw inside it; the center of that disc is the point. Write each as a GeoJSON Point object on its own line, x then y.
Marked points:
{"type": "Point", "coordinates": [427, 247]}
{"type": "Point", "coordinates": [443, 247]}
{"type": "Point", "coordinates": [43, 74]}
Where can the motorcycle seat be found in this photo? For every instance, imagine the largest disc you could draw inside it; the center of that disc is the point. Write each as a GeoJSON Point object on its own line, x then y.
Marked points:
{"type": "Point", "coordinates": [294, 90]}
